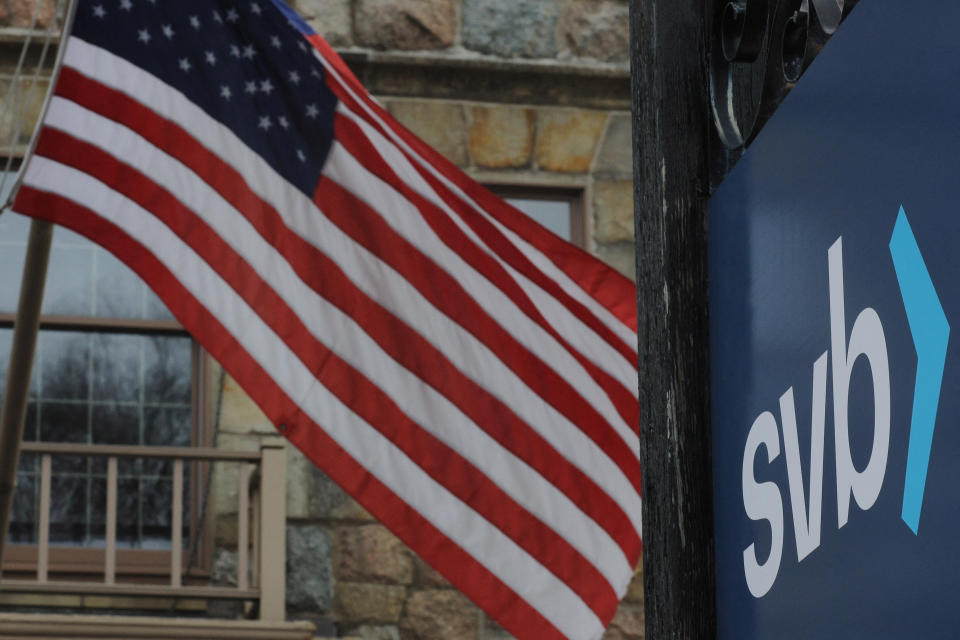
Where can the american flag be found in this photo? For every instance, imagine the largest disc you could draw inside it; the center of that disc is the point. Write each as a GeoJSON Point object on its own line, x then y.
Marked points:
{"type": "Point", "coordinates": [466, 375]}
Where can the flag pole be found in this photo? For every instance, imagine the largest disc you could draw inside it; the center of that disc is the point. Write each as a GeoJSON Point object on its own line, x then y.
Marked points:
{"type": "Point", "coordinates": [27, 322]}
{"type": "Point", "coordinates": [21, 366]}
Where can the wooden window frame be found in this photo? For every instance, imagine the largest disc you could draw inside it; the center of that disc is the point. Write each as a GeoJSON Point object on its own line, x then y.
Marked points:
{"type": "Point", "coordinates": [83, 562]}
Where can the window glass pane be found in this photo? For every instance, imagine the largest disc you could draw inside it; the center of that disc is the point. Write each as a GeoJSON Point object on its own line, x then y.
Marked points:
{"type": "Point", "coordinates": [553, 214]}
{"type": "Point", "coordinates": [83, 278]}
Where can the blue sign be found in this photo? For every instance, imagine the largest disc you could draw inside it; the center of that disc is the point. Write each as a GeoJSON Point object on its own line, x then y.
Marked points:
{"type": "Point", "coordinates": [835, 309]}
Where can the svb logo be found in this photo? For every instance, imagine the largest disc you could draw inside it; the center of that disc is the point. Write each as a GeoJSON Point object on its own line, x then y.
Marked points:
{"type": "Point", "coordinates": [930, 331]}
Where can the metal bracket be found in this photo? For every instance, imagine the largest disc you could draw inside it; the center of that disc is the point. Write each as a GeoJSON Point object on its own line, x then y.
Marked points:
{"type": "Point", "coordinates": [759, 50]}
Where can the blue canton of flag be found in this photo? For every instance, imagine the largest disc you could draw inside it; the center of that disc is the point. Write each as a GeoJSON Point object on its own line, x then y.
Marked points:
{"type": "Point", "coordinates": [243, 63]}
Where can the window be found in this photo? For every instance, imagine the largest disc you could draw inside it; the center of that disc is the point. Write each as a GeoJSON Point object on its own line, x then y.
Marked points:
{"type": "Point", "coordinates": [112, 366]}
{"type": "Point", "coordinates": [559, 210]}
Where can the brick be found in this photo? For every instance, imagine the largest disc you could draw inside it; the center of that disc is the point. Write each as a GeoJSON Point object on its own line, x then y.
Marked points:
{"type": "Point", "coordinates": [567, 139]}
{"type": "Point", "coordinates": [442, 125]}
{"type": "Point", "coordinates": [511, 28]}
{"type": "Point", "coordinates": [598, 29]}
{"type": "Point", "coordinates": [439, 613]}
{"type": "Point", "coordinates": [501, 137]}
{"type": "Point", "coordinates": [613, 211]}
{"type": "Point", "coordinates": [370, 553]}
{"type": "Point", "coordinates": [405, 24]}
{"type": "Point", "coordinates": [358, 602]}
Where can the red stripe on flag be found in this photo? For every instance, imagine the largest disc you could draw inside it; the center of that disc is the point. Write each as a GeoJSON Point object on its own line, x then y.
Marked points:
{"type": "Point", "coordinates": [354, 140]}
{"type": "Point", "coordinates": [475, 581]}
{"type": "Point", "coordinates": [366, 227]}
{"type": "Point", "coordinates": [363, 396]}
{"type": "Point", "coordinates": [325, 277]}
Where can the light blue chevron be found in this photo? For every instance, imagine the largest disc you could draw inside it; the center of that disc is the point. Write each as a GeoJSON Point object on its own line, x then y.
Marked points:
{"type": "Point", "coordinates": [931, 332]}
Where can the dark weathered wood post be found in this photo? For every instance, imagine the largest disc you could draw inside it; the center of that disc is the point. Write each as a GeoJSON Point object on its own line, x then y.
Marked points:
{"type": "Point", "coordinates": [671, 137]}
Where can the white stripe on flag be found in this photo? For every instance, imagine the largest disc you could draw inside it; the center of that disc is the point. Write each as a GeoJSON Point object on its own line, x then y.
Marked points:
{"type": "Point", "coordinates": [490, 547]}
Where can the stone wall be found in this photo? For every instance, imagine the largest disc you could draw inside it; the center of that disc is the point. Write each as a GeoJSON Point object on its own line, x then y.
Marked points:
{"type": "Point", "coordinates": [595, 30]}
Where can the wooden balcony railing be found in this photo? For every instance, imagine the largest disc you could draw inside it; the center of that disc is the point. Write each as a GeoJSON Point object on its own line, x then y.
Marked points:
{"type": "Point", "coordinates": [261, 522]}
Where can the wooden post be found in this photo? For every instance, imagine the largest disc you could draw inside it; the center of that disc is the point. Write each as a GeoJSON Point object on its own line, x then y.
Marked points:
{"type": "Point", "coordinates": [43, 519]}
{"type": "Point", "coordinates": [243, 527]}
{"type": "Point", "coordinates": [273, 536]}
{"type": "Point", "coordinates": [671, 185]}
{"type": "Point", "coordinates": [176, 525]}
{"type": "Point", "coordinates": [110, 551]}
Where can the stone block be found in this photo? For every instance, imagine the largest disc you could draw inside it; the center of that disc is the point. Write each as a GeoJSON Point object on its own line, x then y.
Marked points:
{"type": "Point", "coordinates": [635, 589]}
{"type": "Point", "coordinates": [371, 632]}
{"type": "Point", "coordinates": [225, 530]}
{"type": "Point", "coordinates": [511, 28]}
{"type": "Point", "coordinates": [501, 137]}
{"type": "Point", "coordinates": [598, 29]}
{"type": "Point", "coordinates": [621, 256]}
{"type": "Point", "coordinates": [224, 495]}
{"type": "Point", "coordinates": [613, 211]}
{"type": "Point", "coordinates": [238, 413]}
{"type": "Point", "coordinates": [23, 110]}
{"type": "Point", "coordinates": [406, 25]}
{"type": "Point", "coordinates": [439, 613]}
{"type": "Point", "coordinates": [20, 13]}
{"type": "Point", "coordinates": [329, 18]}
{"type": "Point", "coordinates": [427, 576]}
{"type": "Point", "coordinates": [329, 501]}
{"type": "Point", "coordinates": [309, 577]}
{"type": "Point", "coordinates": [491, 630]}
{"type": "Point", "coordinates": [442, 125]}
{"type": "Point", "coordinates": [616, 151]}
{"type": "Point", "coordinates": [627, 624]}
{"type": "Point", "coordinates": [223, 572]}
{"type": "Point", "coordinates": [299, 475]}
{"type": "Point", "coordinates": [359, 602]}
{"type": "Point", "coordinates": [567, 139]}
{"type": "Point", "coordinates": [370, 553]}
